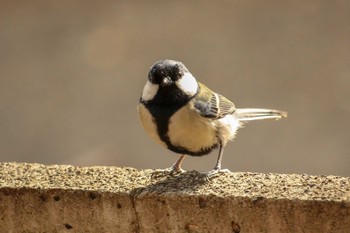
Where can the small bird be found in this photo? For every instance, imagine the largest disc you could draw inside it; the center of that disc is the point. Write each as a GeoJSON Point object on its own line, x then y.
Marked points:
{"type": "Point", "coordinates": [188, 118]}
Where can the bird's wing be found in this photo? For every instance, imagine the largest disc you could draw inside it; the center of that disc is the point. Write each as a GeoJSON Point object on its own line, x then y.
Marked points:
{"type": "Point", "coordinates": [212, 105]}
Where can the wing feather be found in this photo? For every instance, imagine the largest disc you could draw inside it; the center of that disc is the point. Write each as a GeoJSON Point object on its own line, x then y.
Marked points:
{"type": "Point", "coordinates": [212, 105]}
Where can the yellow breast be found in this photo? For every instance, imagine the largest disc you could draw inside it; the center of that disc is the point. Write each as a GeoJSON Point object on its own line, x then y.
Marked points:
{"type": "Point", "coordinates": [148, 124]}
{"type": "Point", "coordinates": [190, 131]}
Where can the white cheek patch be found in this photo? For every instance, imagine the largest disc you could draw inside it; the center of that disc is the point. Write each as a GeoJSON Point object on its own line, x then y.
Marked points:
{"type": "Point", "coordinates": [188, 84]}
{"type": "Point", "coordinates": [149, 91]}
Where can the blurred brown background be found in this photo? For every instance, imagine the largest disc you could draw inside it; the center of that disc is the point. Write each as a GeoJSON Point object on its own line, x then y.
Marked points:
{"type": "Point", "coordinates": [71, 73]}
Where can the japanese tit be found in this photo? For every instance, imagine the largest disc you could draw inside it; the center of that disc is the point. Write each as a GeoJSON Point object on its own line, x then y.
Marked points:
{"type": "Point", "coordinates": [188, 118]}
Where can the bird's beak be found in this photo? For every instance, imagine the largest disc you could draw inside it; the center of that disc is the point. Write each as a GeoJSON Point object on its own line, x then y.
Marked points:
{"type": "Point", "coordinates": [166, 81]}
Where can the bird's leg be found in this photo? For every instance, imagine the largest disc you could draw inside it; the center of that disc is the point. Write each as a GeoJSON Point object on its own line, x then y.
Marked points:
{"type": "Point", "coordinates": [177, 165]}
{"type": "Point", "coordinates": [219, 160]}
{"type": "Point", "coordinates": [217, 167]}
{"type": "Point", "coordinates": [174, 169]}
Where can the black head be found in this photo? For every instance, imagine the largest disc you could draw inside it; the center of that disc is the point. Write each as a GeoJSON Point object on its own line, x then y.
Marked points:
{"type": "Point", "coordinates": [169, 82]}
{"type": "Point", "coordinates": [166, 72]}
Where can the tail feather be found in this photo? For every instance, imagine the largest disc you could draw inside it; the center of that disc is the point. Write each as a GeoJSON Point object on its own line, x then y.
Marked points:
{"type": "Point", "coordinates": [252, 114]}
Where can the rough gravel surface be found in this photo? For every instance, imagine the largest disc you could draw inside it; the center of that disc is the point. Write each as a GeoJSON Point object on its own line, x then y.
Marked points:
{"type": "Point", "coordinates": [126, 180]}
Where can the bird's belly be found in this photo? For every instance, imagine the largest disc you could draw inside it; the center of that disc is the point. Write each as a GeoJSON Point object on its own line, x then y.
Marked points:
{"type": "Point", "coordinates": [192, 132]}
{"type": "Point", "coordinates": [189, 133]}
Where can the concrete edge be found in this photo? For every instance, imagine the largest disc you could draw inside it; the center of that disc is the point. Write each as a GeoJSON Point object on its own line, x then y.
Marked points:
{"type": "Point", "coordinates": [39, 198]}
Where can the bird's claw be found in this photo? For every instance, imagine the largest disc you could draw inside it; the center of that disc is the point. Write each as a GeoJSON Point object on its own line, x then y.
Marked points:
{"type": "Point", "coordinates": [215, 172]}
{"type": "Point", "coordinates": [168, 171]}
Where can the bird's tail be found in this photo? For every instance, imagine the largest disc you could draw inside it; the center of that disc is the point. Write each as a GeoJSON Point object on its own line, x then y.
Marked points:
{"type": "Point", "coordinates": [252, 114]}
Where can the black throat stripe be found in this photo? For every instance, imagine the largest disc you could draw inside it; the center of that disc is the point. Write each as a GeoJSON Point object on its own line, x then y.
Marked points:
{"type": "Point", "coordinates": [162, 115]}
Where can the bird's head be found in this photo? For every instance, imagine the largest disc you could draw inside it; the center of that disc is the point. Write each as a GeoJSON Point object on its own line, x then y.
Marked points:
{"type": "Point", "coordinates": [169, 81]}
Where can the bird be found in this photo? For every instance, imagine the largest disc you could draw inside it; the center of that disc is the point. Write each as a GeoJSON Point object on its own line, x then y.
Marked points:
{"type": "Point", "coordinates": [188, 118]}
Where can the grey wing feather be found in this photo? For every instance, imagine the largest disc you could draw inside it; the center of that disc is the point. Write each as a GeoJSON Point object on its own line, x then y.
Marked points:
{"type": "Point", "coordinates": [217, 107]}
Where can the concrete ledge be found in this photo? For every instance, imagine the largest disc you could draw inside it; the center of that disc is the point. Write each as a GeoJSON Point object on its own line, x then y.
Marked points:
{"type": "Point", "coordinates": [38, 198]}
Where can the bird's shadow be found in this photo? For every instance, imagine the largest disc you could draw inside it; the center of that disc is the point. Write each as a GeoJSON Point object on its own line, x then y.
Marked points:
{"type": "Point", "coordinates": [163, 181]}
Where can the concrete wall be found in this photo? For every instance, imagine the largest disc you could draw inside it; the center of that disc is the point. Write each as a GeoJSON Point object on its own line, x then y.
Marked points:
{"type": "Point", "coordinates": [38, 198]}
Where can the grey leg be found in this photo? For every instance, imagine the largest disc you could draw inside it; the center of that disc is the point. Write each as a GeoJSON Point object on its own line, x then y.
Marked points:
{"type": "Point", "coordinates": [217, 167]}
{"type": "Point", "coordinates": [218, 161]}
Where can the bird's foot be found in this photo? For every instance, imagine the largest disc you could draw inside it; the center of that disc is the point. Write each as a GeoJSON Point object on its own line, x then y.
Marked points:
{"type": "Point", "coordinates": [172, 171]}
{"type": "Point", "coordinates": [215, 172]}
